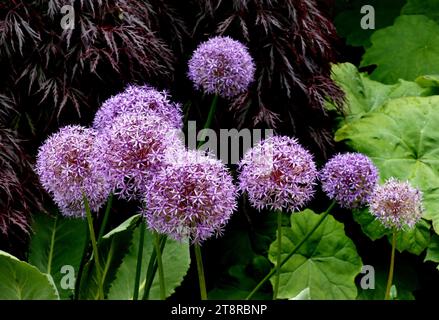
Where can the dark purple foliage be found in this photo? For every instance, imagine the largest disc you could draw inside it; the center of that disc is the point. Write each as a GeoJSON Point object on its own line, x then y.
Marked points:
{"type": "Point", "coordinates": [292, 43]}
{"type": "Point", "coordinates": [47, 70]}
{"type": "Point", "coordinates": [19, 193]}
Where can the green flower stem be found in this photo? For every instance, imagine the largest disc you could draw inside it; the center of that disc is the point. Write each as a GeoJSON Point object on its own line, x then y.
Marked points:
{"type": "Point", "coordinates": [82, 264]}
{"type": "Point", "coordinates": [392, 267]}
{"type": "Point", "coordinates": [87, 244]}
{"type": "Point", "coordinates": [297, 247]}
{"type": "Point", "coordinates": [160, 267]}
{"type": "Point", "coordinates": [150, 273]}
{"type": "Point", "coordinates": [105, 219]}
{"type": "Point", "coordinates": [279, 254]}
{"type": "Point", "coordinates": [200, 268]}
{"type": "Point", "coordinates": [197, 249]}
{"type": "Point", "coordinates": [139, 262]}
{"type": "Point", "coordinates": [152, 268]}
{"type": "Point", "coordinates": [209, 119]}
{"type": "Point", "coordinates": [95, 247]}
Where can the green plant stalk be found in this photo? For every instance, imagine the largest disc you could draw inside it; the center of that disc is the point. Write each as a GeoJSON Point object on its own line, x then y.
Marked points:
{"type": "Point", "coordinates": [210, 116]}
{"type": "Point", "coordinates": [82, 264]}
{"type": "Point", "coordinates": [139, 262]}
{"type": "Point", "coordinates": [197, 249]}
{"type": "Point", "coordinates": [94, 246]}
{"type": "Point", "coordinates": [297, 247]}
{"type": "Point", "coordinates": [200, 268]}
{"type": "Point", "coordinates": [279, 254]}
{"type": "Point", "coordinates": [87, 244]}
{"type": "Point", "coordinates": [150, 273]}
{"type": "Point", "coordinates": [160, 267]}
{"type": "Point", "coordinates": [392, 267]}
{"type": "Point", "coordinates": [105, 219]}
{"type": "Point", "coordinates": [152, 268]}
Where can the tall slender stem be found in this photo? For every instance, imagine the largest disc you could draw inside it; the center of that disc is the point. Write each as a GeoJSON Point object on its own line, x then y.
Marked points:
{"type": "Point", "coordinates": [139, 261]}
{"type": "Point", "coordinates": [94, 246]}
{"type": "Point", "coordinates": [297, 247]}
{"type": "Point", "coordinates": [200, 268]}
{"type": "Point", "coordinates": [392, 267]}
{"type": "Point", "coordinates": [197, 249]}
{"type": "Point", "coordinates": [279, 254]}
{"type": "Point", "coordinates": [105, 219]}
{"type": "Point", "coordinates": [208, 122]}
{"type": "Point", "coordinates": [152, 268]}
{"type": "Point", "coordinates": [82, 264]}
{"type": "Point", "coordinates": [160, 267]}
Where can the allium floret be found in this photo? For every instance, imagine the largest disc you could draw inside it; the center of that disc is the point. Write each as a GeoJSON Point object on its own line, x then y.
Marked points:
{"type": "Point", "coordinates": [133, 148]}
{"type": "Point", "coordinates": [278, 174]}
{"type": "Point", "coordinates": [222, 66]}
{"type": "Point", "coordinates": [397, 204]}
{"type": "Point", "coordinates": [67, 169]}
{"type": "Point", "coordinates": [193, 197]}
{"type": "Point", "coordinates": [142, 100]}
{"type": "Point", "coordinates": [349, 179]}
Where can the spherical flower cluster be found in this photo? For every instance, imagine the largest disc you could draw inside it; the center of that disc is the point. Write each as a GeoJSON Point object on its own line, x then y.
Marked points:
{"type": "Point", "coordinates": [132, 149]}
{"type": "Point", "coordinates": [278, 174]}
{"type": "Point", "coordinates": [222, 66]}
{"type": "Point", "coordinates": [67, 170]}
{"type": "Point", "coordinates": [350, 179]}
{"type": "Point", "coordinates": [193, 198]}
{"type": "Point", "coordinates": [139, 99]}
{"type": "Point", "coordinates": [397, 204]}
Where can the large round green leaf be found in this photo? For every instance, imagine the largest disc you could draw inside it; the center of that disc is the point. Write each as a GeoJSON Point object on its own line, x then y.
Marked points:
{"type": "Point", "coordinates": [402, 139]}
{"type": "Point", "coordinates": [429, 8]}
{"type": "Point", "coordinates": [433, 250]}
{"type": "Point", "coordinates": [406, 50]}
{"type": "Point", "coordinates": [370, 226]}
{"type": "Point", "coordinates": [22, 281]}
{"type": "Point", "coordinates": [429, 81]}
{"type": "Point", "coordinates": [327, 263]}
{"type": "Point", "coordinates": [176, 261]}
{"type": "Point", "coordinates": [57, 242]}
{"type": "Point", "coordinates": [363, 95]}
{"type": "Point", "coordinates": [414, 241]}
{"type": "Point", "coordinates": [349, 17]}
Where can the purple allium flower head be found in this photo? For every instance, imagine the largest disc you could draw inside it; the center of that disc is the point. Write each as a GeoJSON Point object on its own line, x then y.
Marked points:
{"type": "Point", "coordinates": [139, 99]}
{"type": "Point", "coordinates": [349, 179]}
{"type": "Point", "coordinates": [193, 197]}
{"type": "Point", "coordinates": [277, 174]}
{"type": "Point", "coordinates": [222, 66]}
{"type": "Point", "coordinates": [133, 148]}
{"type": "Point", "coordinates": [67, 170]}
{"type": "Point", "coordinates": [397, 204]}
